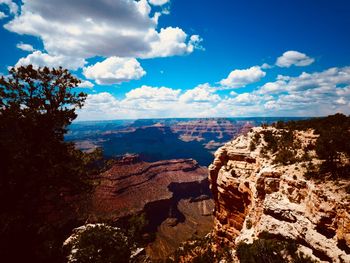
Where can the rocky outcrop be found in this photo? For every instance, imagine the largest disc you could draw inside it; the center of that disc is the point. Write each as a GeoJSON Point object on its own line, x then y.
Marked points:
{"type": "Point", "coordinates": [173, 195]}
{"type": "Point", "coordinates": [254, 197]}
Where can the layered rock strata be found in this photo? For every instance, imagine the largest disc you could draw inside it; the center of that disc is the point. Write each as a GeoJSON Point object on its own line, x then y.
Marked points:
{"type": "Point", "coordinates": [254, 197]}
{"type": "Point", "coordinates": [173, 195]}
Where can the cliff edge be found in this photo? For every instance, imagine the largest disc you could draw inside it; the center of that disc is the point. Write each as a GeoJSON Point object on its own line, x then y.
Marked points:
{"type": "Point", "coordinates": [258, 193]}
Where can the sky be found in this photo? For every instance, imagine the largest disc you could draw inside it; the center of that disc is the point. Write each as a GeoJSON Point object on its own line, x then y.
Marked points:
{"type": "Point", "coordinates": [188, 58]}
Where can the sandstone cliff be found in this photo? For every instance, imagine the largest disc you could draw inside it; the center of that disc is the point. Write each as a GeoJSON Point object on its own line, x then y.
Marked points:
{"type": "Point", "coordinates": [254, 197]}
{"type": "Point", "coordinates": [173, 195]}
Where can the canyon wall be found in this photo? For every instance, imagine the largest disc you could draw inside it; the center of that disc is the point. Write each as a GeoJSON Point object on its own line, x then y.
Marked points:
{"type": "Point", "coordinates": [173, 195]}
{"type": "Point", "coordinates": [254, 197]}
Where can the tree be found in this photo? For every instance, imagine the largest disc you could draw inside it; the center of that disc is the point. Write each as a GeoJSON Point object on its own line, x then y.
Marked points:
{"type": "Point", "coordinates": [39, 171]}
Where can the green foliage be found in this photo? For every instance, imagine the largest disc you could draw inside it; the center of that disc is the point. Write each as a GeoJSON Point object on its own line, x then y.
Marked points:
{"type": "Point", "coordinates": [249, 224]}
{"type": "Point", "coordinates": [270, 251]}
{"type": "Point", "coordinates": [282, 143]}
{"type": "Point", "coordinates": [285, 156]}
{"type": "Point", "coordinates": [311, 171]}
{"type": "Point", "coordinates": [252, 146]}
{"type": "Point", "coordinates": [40, 172]}
{"type": "Point", "coordinates": [332, 146]}
{"type": "Point", "coordinates": [99, 244]}
{"type": "Point", "coordinates": [201, 250]}
{"type": "Point", "coordinates": [271, 141]}
{"type": "Point", "coordinates": [254, 142]}
{"type": "Point", "coordinates": [136, 228]}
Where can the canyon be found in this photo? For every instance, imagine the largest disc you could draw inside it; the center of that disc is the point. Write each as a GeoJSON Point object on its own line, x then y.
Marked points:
{"type": "Point", "coordinates": [173, 196]}
{"type": "Point", "coordinates": [150, 138]}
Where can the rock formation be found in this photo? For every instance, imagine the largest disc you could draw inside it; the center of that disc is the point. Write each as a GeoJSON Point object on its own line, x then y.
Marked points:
{"type": "Point", "coordinates": [211, 132]}
{"type": "Point", "coordinates": [253, 197]}
{"type": "Point", "coordinates": [174, 196]}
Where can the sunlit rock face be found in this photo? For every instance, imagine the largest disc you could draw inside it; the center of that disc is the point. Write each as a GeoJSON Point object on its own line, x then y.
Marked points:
{"type": "Point", "coordinates": [173, 195]}
{"type": "Point", "coordinates": [254, 197]}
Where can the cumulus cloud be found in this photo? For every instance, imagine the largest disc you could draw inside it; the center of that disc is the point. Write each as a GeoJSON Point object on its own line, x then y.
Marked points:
{"type": "Point", "coordinates": [341, 101]}
{"type": "Point", "coordinates": [245, 99]}
{"type": "Point", "coordinates": [2, 15]}
{"type": "Point", "coordinates": [153, 93]}
{"type": "Point", "coordinates": [25, 47]}
{"type": "Point", "coordinates": [86, 84]}
{"type": "Point", "coordinates": [171, 41]}
{"type": "Point", "coordinates": [13, 7]}
{"type": "Point", "coordinates": [151, 102]}
{"type": "Point", "coordinates": [327, 81]}
{"type": "Point", "coordinates": [89, 28]}
{"type": "Point", "coordinates": [114, 70]}
{"type": "Point", "coordinates": [241, 77]}
{"type": "Point", "coordinates": [294, 58]}
{"type": "Point", "coordinates": [201, 93]}
{"type": "Point", "coordinates": [273, 87]}
{"type": "Point", "coordinates": [159, 2]}
{"type": "Point", "coordinates": [309, 94]}
{"type": "Point", "coordinates": [39, 59]}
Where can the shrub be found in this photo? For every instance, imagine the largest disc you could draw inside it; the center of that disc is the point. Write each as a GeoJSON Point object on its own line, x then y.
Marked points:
{"type": "Point", "coordinates": [285, 156]}
{"type": "Point", "coordinates": [260, 251]}
{"type": "Point", "coordinates": [98, 244]}
{"type": "Point", "coordinates": [271, 141]}
{"type": "Point", "coordinates": [202, 250]}
{"type": "Point", "coordinates": [252, 146]}
{"type": "Point", "coordinates": [249, 224]}
{"type": "Point", "coordinates": [254, 142]}
{"type": "Point", "coordinates": [271, 251]}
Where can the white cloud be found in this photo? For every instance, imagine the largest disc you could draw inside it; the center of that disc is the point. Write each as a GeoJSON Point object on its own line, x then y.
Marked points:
{"type": "Point", "coordinates": [114, 70]}
{"type": "Point", "coordinates": [13, 7]}
{"type": "Point", "coordinates": [201, 93]}
{"type": "Point", "coordinates": [233, 93]}
{"type": "Point", "coordinates": [86, 84]}
{"type": "Point", "coordinates": [171, 41]}
{"type": "Point", "coordinates": [147, 102]}
{"type": "Point", "coordinates": [341, 101]}
{"type": "Point", "coordinates": [101, 106]}
{"type": "Point", "coordinates": [195, 41]}
{"type": "Point", "coordinates": [295, 58]}
{"type": "Point", "coordinates": [273, 87]}
{"type": "Point", "coordinates": [245, 99]}
{"type": "Point", "coordinates": [39, 59]}
{"type": "Point", "coordinates": [89, 28]}
{"type": "Point", "coordinates": [326, 82]}
{"type": "Point", "coordinates": [153, 93]}
{"type": "Point", "coordinates": [310, 94]}
{"type": "Point", "coordinates": [266, 66]}
{"type": "Point", "coordinates": [241, 77]}
{"type": "Point", "coordinates": [25, 47]}
{"type": "Point", "coordinates": [2, 15]}
{"type": "Point", "coordinates": [159, 2]}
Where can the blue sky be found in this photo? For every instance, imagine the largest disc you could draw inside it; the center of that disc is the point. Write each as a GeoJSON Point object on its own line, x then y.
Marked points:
{"type": "Point", "coordinates": [189, 58]}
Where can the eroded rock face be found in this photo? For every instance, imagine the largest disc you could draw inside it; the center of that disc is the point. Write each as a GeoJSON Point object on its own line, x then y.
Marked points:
{"type": "Point", "coordinates": [174, 196]}
{"type": "Point", "coordinates": [254, 197]}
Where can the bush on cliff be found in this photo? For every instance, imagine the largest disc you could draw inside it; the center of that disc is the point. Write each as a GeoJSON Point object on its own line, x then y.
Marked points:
{"type": "Point", "coordinates": [271, 251]}
{"type": "Point", "coordinates": [201, 250]}
{"type": "Point", "coordinates": [332, 145]}
{"type": "Point", "coordinates": [98, 244]}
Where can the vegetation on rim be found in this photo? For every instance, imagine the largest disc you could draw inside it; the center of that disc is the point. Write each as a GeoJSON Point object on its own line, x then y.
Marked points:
{"type": "Point", "coordinates": [332, 145]}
